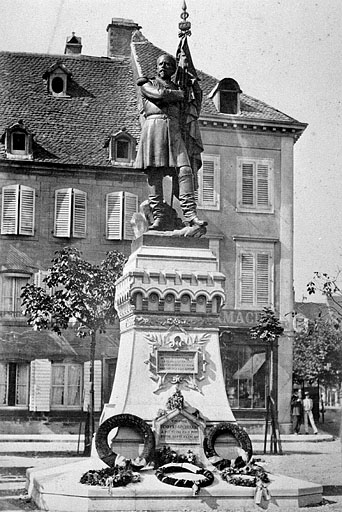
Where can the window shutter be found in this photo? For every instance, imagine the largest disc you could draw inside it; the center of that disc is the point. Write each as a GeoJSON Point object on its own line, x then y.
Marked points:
{"type": "Point", "coordinates": [262, 279]}
{"type": "Point", "coordinates": [40, 385]}
{"type": "Point", "coordinates": [208, 193]}
{"type": "Point", "coordinates": [27, 206]}
{"type": "Point", "coordinates": [247, 278]}
{"type": "Point", "coordinates": [9, 211]}
{"type": "Point", "coordinates": [114, 215]}
{"type": "Point", "coordinates": [247, 184]}
{"type": "Point", "coordinates": [79, 214]}
{"type": "Point", "coordinates": [63, 212]}
{"type": "Point", "coordinates": [38, 279]}
{"type": "Point", "coordinates": [262, 185]}
{"type": "Point", "coordinates": [208, 182]}
{"type": "Point", "coordinates": [131, 207]}
{"type": "Point", "coordinates": [97, 385]}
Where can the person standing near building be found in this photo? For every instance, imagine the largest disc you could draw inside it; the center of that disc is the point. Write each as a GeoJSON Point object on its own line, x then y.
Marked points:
{"type": "Point", "coordinates": [296, 410]}
{"type": "Point", "coordinates": [308, 416]}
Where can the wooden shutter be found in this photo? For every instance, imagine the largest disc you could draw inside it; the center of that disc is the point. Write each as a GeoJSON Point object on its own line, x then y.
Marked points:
{"type": "Point", "coordinates": [262, 185]}
{"type": "Point", "coordinates": [63, 199]}
{"type": "Point", "coordinates": [97, 385]}
{"type": "Point", "coordinates": [114, 215]}
{"type": "Point", "coordinates": [247, 278]}
{"type": "Point", "coordinates": [131, 207]}
{"type": "Point", "coordinates": [209, 175]}
{"type": "Point", "coordinates": [79, 226]}
{"type": "Point", "coordinates": [26, 213]}
{"type": "Point", "coordinates": [9, 210]}
{"type": "Point", "coordinates": [40, 385]}
{"type": "Point", "coordinates": [208, 182]}
{"type": "Point", "coordinates": [247, 184]}
{"type": "Point", "coordinates": [262, 279]}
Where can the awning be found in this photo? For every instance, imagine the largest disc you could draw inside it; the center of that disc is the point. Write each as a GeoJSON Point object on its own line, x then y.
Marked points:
{"type": "Point", "coordinates": [251, 367]}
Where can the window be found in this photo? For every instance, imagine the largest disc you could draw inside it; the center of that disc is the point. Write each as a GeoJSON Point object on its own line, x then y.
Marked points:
{"type": "Point", "coordinates": [208, 193]}
{"type": "Point", "coordinates": [255, 185]}
{"type": "Point", "coordinates": [226, 96]}
{"type": "Point", "coordinates": [58, 77]}
{"type": "Point", "coordinates": [18, 142]}
{"type": "Point", "coordinates": [70, 213]}
{"type": "Point", "coordinates": [66, 385]}
{"type": "Point", "coordinates": [11, 290]}
{"type": "Point", "coordinates": [120, 207]}
{"type": "Point", "coordinates": [254, 275]}
{"type": "Point", "coordinates": [122, 148]}
{"type": "Point", "coordinates": [14, 378]}
{"type": "Point", "coordinates": [245, 374]}
{"type": "Point", "coordinates": [17, 212]}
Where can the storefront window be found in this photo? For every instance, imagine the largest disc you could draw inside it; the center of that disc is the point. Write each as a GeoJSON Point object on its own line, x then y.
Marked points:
{"type": "Point", "coordinates": [245, 375]}
{"type": "Point", "coordinates": [66, 385]}
{"type": "Point", "coordinates": [14, 384]}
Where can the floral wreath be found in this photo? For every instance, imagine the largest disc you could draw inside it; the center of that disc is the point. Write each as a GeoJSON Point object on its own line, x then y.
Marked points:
{"type": "Point", "coordinates": [124, 420]}
{"type": "Point", "coordinates": [238, 433]}
{"type": "Point", "coordinates": [162, 475]}
{"type": "Point", "coordinates": [251, 475]}
{"type": "Point", "coordinates": [110, 477]}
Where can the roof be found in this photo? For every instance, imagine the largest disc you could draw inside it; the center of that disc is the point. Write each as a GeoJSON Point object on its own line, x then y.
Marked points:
{"type": "Point", "coordinates": [103, 100]}
{"type": "Point", "coordinates": [313, 310]}
{"type": "Point", "coordinates": [69, 131]}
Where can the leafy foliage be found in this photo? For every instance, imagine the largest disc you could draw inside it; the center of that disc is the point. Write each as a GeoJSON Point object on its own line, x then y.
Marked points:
{"type": "Point", "coordinates": [268, 328]}
{"type": "Point", "coordinates": [80, 292]}
{"type": "Point", "coordinates": [317, 354]}
{"type": "Point", "coordinates": [330, 287]}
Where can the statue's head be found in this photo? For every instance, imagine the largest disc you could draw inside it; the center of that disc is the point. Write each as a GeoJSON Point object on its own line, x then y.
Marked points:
{"type": "Point", "coordinates": [166, 66]}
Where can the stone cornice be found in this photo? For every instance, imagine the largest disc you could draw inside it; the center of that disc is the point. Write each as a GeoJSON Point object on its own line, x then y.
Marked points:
{"type": "Point", "coordinates": [282, 128]}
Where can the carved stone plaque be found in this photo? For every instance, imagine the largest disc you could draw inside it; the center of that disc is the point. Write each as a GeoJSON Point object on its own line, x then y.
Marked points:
{"type": "Point", "coordinates": [179, 430]}
{"type": "Point", "coordinates": [177, 362]}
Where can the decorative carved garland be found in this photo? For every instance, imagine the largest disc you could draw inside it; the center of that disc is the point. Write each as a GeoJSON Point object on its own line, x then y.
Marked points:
{"type": "Point", "coordinates": [162, 475]}
{"type": "Point", "coordinates": [227, 428]}
{"type": "Point", "coordinates": [123, 420]}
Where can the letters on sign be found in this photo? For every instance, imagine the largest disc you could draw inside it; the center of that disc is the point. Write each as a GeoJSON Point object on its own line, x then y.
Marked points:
{"type": "Point", "coordinates": [238, 317]}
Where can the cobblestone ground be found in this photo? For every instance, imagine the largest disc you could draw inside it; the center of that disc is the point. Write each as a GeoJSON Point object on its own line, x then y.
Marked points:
{"type": "Point", "coordinates": [319, 462]}
{"type": "Point", "coordinates": [316, 462]}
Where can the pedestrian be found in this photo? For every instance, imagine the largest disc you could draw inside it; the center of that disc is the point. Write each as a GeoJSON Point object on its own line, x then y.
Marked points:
{"type": "Point", "coordinates": [296, 411]}
{"type": "Point", "coordinates": [308, 416]}
{"type": "Point", "coordinates": [162, 150]}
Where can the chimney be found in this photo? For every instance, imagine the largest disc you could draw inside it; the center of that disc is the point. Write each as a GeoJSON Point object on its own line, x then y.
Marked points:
{"type": "Point", "coordinates": [119, 37]}
{"type": "Point", "coordinates": [73, 45]}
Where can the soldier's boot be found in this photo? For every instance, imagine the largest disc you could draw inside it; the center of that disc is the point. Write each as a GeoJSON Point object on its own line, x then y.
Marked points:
{"type": "Point", "coordinates": [156, 201]}
{"type": "Point", "coordinates": [187, 199]}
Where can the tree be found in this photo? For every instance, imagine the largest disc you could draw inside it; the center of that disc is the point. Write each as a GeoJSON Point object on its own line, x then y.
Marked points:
{"type": "Point", "coordinates": [317, 353]}
{"type": "Point", "coordinates": [268, 329]}
{"type": "Point", "coordinates": [79, 292]}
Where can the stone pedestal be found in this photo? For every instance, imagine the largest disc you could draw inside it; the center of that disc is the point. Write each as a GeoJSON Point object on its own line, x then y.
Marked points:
{"type": "Point", "coordinates": [168, 301]}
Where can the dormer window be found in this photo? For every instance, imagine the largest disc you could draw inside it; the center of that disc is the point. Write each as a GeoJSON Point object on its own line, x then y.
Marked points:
{"type": "Point", "coordinates": [57, 78]}
{"type": "Point", "coordinates": [122, 148]}
{"type": "Point", "coordinates": [18, 142]}
{"type": "Point", "coordinates": [226, 96]}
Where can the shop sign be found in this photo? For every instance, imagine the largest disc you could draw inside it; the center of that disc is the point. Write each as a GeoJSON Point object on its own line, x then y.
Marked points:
{"type": "Point", "coordinates": [239, 317]}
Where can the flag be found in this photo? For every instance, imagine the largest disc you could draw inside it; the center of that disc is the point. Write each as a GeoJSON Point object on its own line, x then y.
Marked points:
{"type": "Point", "coordinates": [186, 78]}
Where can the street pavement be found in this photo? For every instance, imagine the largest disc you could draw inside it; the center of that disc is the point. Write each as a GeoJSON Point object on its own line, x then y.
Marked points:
{"type": "Point", "coordinates": [314, 458]}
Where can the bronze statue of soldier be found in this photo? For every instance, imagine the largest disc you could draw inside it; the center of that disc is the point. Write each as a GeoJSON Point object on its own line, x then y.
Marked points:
{"type": "Point", "coordinates": [162, 150]}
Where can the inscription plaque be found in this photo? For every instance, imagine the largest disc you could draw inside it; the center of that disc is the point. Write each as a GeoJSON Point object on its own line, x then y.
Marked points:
{"type": "Point", "coordinates": [179, 430]}
{"type": "Point", "coordinates": [177, 362]}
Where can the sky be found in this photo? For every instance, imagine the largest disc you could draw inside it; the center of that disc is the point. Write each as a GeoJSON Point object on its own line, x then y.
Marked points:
{"type": "Point", "coordinates": [286, 53]}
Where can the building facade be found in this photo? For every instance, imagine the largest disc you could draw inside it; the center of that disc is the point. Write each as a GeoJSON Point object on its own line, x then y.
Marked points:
{"type": "Point", "coordinates": [69, 126]}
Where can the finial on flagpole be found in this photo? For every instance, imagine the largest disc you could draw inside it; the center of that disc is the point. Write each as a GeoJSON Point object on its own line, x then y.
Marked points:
{"type": "Point", "coordinates": [184, 26]}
